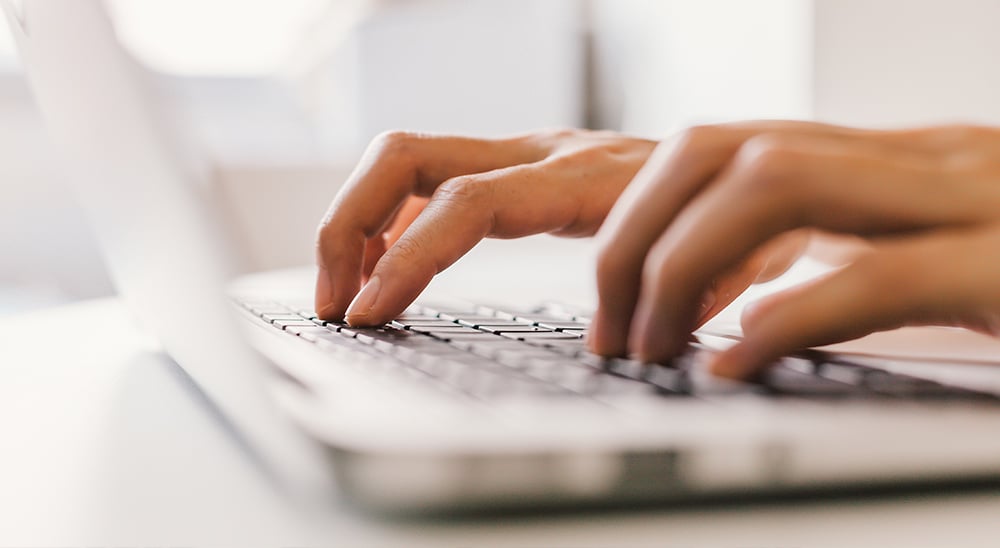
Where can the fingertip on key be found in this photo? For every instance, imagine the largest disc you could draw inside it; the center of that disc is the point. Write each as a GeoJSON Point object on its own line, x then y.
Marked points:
{"type": "Point", "coordinates": [601, 339]}
{"type": "Point", "coordinates": [326, 309]}
{"type": "Point", "coordinates": [363, 309]}
{"type": "Point", "coordinates": [734, 363]}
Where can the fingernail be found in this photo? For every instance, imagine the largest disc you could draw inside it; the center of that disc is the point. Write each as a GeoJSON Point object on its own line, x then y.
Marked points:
{"type": "Point", "coordinates": [364, 301]}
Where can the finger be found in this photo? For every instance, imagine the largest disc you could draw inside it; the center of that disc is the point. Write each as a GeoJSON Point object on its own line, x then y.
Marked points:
{"type": "Point", "coordinates": [674, 174]}
{"type": "Point", "coordinates": [776, 185]}
{"type": "Point", "coordinates": [376, 246]}
{"type": "Point", "coordinates": [394, 167]}
{"type": "Point", "coordinates": [511, 202]}
{"type": "Point", "coordinates": [767, 263]}
{"type": "Point", "coordinates": [778, 255]}
{"type": "Point", "coordinates": [902, 283]}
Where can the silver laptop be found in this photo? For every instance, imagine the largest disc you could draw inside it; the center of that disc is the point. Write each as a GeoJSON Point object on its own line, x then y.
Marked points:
{"type": "Point", "coordinates": [456, 406]}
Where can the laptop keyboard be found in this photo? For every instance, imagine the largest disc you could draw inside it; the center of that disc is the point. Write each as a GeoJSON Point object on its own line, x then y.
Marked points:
{"type": "Point", "coordinates": [487, 353]}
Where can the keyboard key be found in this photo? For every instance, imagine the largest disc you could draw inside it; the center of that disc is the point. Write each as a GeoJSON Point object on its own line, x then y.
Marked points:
{"type": "Point", "coordinates": [535, 319]}
{"type": "Point", "coordinates": [415, 317]}
{"type": "Point", "coordinates": [472, 318]}
{"type": "Point", "coordinates": [559, 326]}
{"type": "Point", "coordinates": [489, 348]}
{"type": "Point", "coordinates": [308, 333]}
{"type": "Point", "coordinates": [427, 324]}
{"type": "Point", "coordinates": [512, 327]}
{"type": "Point", "coordinates": [519, 357]}
{"type": "Point", "coordinates": [462, 335]}
{"type": "Point", "coordinates": [478, 321]}
{"type": "Point", "coordinates": [267, 308]}
{"type": "Point", "coordinates": [539, 336]}
{"type": "Point", "coordinates": [285, 317]}
{"type": "Point", "coordinates": [785, 380]}
{"type": "Point", "coordinates": [629, 369]}
{"type": "Point", "coordinates": [669, 380]}
{"type": "Point", "coordinates": [842, 372]}
{"type": "Point", "coordinates": [902, 386]}
{"type": "Point", "coordinates": [285, 324]}
{"type": "Point", "coordinates": [307, 313]}
{"type": "Point", "coordinates": [450, 329]}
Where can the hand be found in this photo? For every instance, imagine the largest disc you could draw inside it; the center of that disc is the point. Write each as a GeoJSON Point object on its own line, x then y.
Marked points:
{"type": "Point", "coordinates": [416, 203]}
{"type": "Point", "coordinates": [927, 201]}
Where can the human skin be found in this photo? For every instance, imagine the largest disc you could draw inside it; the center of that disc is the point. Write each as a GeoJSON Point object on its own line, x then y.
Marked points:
{"type": "Point", "coordinates": [684, 226]}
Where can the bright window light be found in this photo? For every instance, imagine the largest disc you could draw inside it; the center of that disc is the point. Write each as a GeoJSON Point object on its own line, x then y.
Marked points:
{"type": "Point", "coordinates": [220, 37]}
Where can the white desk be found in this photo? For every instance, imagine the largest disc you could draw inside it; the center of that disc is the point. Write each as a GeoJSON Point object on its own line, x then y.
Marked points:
{"type": "Point", "coordinates": [103, 445]}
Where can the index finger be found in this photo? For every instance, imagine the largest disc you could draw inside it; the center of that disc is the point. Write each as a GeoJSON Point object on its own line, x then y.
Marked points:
{"type": "Point", "coordinates": [395, 166]}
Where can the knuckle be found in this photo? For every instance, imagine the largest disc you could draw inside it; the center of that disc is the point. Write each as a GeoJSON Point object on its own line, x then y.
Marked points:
{"type": "Point", "coordinates": [553, 138]}
{"type": "Point", "coordinates": [966, 133]}
{"type": "Point", "coordinates": [886, 273]}
{"type": "Point", "coordinates": [393, 144]}
{"type": "Point", "coordinates": [464, 191]}
{"type": "Point", "coordinates": [699, 136]}
{"type": "Point", "coordinates": [325, 230]}
{"type": "Point", "coordinates": [561, 133]}
{"type": "Point", "coordinates": [393, 138]}
{"type": "Point", "coordinates": [764, 164]}
{"type": "Point", "coordinates": [592, 155]}
{"type": "Point", "coordinates": [407, 250]}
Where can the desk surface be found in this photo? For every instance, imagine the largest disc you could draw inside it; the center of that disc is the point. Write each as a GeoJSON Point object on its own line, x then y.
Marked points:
{"type": "Point", "coordinates": [104, 446]}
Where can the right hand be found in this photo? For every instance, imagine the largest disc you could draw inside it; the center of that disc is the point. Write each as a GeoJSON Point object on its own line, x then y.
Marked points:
{"type": "Point", "coordinates": [416, 203]}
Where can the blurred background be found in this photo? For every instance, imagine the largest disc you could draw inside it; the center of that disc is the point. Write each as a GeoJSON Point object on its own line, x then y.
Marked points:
{"type": "Point", "coordinates": [283, 95]}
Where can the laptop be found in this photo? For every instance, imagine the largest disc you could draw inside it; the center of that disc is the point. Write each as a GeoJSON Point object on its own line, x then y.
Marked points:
{"type": "Point", "coordinates": [457, 406]}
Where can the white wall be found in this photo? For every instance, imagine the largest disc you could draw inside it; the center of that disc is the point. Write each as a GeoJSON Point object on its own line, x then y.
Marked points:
{"type": "Point", "coordinates": [896, 62]}
{"type": "Point", "coordinates": [669, 63]}
{"type": "Point", "coordinates": [483, 67]}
